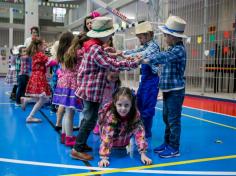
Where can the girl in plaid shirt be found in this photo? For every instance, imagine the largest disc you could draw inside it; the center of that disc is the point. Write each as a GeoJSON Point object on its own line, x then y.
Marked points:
{"type": "Point", "coordinates": [119, 120]}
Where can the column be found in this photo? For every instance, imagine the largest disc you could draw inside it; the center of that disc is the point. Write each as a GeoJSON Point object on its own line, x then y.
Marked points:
{"type": "Point", "coordinates": [31, 16]}
{"type": "Point", "coordinates": [11, 29]}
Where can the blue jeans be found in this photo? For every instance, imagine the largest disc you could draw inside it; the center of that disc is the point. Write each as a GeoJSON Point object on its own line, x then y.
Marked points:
{"type": "Point", "coordinates": [90, 112]}
{"type": "Point", "coordinates": [172, 108]}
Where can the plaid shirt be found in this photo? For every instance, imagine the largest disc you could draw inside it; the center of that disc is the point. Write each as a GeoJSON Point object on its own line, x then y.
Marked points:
{"type": "Point", "coordinates": [116, 132]}
{"type": "Point", "coordinates": [25, 67]}
{"type": "Point", "coordinates": [92, 73]}
{"type": "Point", "coordinates": [148, 51]}
{"type": "Point", "coordinates": [174, 63]}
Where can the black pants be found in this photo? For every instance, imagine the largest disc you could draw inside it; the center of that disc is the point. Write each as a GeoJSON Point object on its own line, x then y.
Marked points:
{"type": "Point", "coordinates": [22, 83]}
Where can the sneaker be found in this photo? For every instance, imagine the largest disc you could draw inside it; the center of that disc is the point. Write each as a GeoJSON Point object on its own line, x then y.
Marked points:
{"type": "Point", "coordinates": [169, 152]}
{"type": "Point", "coordinates": [70, 141]}
{"type": "Point", "coordinates": [161, 148]}
{"type": "Point", "coordinates": [80, 155]}
{"type": "Point", "coordinates": [17, 104]}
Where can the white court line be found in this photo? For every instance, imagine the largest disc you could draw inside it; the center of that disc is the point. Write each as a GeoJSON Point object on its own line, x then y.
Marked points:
{"type": "Point", "coordinates": [6, 103]}
{"type": "Point", "coordinates": [98, 168]}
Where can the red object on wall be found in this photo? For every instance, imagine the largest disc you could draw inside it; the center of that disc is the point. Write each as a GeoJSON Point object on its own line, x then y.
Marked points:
{"type": "Point", "coordinates": [194, 53]}
{"type": "Point", "coordinates": [226, 34]}
{"type": "Point", "coordinates": [218, 106]}
{"type": "Point", "coordinates": [225, 49]}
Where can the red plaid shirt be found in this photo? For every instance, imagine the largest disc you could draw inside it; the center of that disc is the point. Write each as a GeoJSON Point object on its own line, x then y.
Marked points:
{"type": "Point", "coordinates": [91, 79]}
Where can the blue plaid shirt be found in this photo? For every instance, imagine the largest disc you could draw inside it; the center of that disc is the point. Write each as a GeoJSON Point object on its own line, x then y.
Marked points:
{"type": "Point", "coordinates": [174, 63]}
{"type": "Point", "coordinates": [149, 51]}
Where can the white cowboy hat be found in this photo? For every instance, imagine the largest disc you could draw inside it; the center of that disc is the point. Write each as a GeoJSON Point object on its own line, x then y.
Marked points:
{"type": "Point", "coordinates": [15, 50]}
{"type": "Point", "coordinates": [174, 26]}
{"type": "Point", "coordinates": [20, 46]}
{"type": "Point", "coordinates": [143, 27]}
{"type": "Point", "coordinates": [102, 27]}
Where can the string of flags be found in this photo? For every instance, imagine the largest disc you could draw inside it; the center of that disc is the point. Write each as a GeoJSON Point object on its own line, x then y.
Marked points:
{"type": "Point", "coordinates": [126, 26]}
{"type": "Point", "coordinates": [48, 4]}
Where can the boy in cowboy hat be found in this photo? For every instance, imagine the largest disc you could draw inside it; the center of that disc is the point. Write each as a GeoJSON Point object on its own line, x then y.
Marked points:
{"type": "Point", "coordinates": [91, 80]}
{"type": "Point", "coordinates": [148, 87]}
{"type": "Point", "coordinates": [172, 84]}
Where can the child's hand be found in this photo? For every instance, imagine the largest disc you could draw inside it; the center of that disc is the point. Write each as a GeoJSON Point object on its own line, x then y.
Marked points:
{"type": "Point", "coordinates": [139, 59]}
{"type": "Point", "coordinates": [112, 54]}
{"type": "Point", "coordinates": [129, 58]}
{"type": "Point", "coordinates": [110, 49]}
{"type": "Point", "coordinates": [120, 53]}
{"type": "Point", "coordinates": [103, 163]}
{"type": "Point", "coordinates": [145, 159]}
{"type": "Point", "coordinates": [145, 61]}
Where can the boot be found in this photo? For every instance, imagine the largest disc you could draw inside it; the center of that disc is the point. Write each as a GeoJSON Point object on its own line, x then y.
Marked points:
{"type": "Point", "coordinates": [70, 141]}
{"type": "Point", "coordinates": [63, 137]}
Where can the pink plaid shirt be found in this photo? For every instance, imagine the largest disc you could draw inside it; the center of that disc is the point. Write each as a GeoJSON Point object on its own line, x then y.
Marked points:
{"type": "Point", "coordinates": [91, 78]}
{"type": "Point", "coordinates": [117, 133]}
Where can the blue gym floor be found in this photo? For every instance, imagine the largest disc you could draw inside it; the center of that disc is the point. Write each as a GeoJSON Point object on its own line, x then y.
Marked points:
{"type": "Point", "coordinates": [208, 146]}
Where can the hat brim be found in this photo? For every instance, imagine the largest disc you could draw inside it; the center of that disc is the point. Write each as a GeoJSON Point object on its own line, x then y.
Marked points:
{"type": "Point", "coordinates": [166, 31]}
{"type": "Point", "coordinates": [100, 34]}
{"type": "Point", "coordinates": [15, 51]}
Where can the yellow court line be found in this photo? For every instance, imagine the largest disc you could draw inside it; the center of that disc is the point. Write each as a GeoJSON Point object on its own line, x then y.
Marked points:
{"type": "Point", "coordinates": [209, 121]}
{"type": "Point", "coordinates": [156, 165]}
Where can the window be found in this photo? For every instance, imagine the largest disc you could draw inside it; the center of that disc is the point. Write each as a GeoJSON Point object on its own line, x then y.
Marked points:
{"type": "Point", "coordinates": [59, 14]}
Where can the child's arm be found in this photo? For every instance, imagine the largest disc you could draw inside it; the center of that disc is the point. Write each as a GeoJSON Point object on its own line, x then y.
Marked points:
{"type": "Point", "coordinates": [139, 133]}
{"type": "Point", "coordinates": [173, 55]}
{"type": "Point", "coordinates": [103, 60]}
{"type": "Point", "coordinates": [51, 63]}
{"type": "Point", "coordinates": [106, 142]}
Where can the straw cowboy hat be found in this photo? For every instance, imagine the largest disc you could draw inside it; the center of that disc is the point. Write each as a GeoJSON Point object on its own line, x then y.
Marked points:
{"type": "Point", "coordinates": [174, 26]}
{"type": "Point", "coordinates": [102, 27]}
{"type": "Point", "coordinates": [143, 27]}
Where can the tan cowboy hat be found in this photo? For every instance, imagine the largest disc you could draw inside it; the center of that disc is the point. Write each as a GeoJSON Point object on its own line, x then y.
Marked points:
{"type": "Point", "coordinates": [143, 27]}
{"type": "Point", "coordinates": [174, 26]}
{"type": "Point", "coordinates": [102, 27]}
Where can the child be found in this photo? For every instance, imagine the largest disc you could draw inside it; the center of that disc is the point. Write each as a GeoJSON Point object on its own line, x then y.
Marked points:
{"type": "Point", "coordinates": [37, 88]}
{"type": "Point", "coordinates": [23, 75]}
{"type": "Point", "coordinates": [11, 77]}
{"type": "Point", "coordinates": [64, 43]}
{"type": "Point", "coordinates": [112, 84]}
{"type": "Point", "coordinates": [54, 78]}
{"type": "Point", "coordinates": [91, 79]}
{"type": "Point", "coordinates": [148, 87]}
{"type": "Point", "coordinates": [88, 20]}
{"type": "Point", "coordinates": [119, 120]}
{"type": "Point", "coordinates": [172, 84]}
{"type": "Point", "coordinates": [34, 31]}
{"type": "Point", "coordinates": [66, 86]}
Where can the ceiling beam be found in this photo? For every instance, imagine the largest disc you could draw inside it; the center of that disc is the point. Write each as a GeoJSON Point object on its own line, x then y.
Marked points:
{"type": "Point", "coordinates": [117, 4]}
